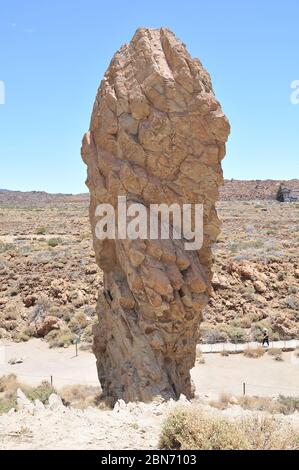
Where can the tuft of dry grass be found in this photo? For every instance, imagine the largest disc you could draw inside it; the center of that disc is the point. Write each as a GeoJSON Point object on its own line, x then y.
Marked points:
{"type": "Point", "coordinates": [283, 404]}
{"type": "Point", "coordinates": [254, 353]}
{"type": "Point", "coordinates": [9, 384]}
{"type": "Point", "coordinates": [268, 433]}
{"type": "Point", "coordinates": [189, 428]}
{"type": "Point", "coordinates": [274, 352]}
{"type": "Point", "coordinates": [80, 396]}
{"type": "Point", "coordinates": [224, 400]}
{"type": "Point", "coordinates": [256, 403]}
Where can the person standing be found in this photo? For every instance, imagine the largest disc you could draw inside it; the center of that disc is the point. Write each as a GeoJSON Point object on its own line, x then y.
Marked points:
{"type": "Point", "coordinates": [265, 337]}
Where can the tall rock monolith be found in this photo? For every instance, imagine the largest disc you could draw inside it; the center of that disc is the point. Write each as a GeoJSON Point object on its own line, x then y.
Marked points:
{"type": "Point", "coordinates": [157, 135]}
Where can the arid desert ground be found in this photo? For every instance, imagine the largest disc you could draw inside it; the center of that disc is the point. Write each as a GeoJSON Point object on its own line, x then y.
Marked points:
{"type": "Point", "coordinates": [49, 284]}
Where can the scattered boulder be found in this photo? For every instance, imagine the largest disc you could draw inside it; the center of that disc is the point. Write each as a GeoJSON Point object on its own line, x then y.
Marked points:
{"type": "Point", "coordinates": [23, 403]}
{"type": "Point", "coordinates": [30, 300]}
{"type": "Point", "coordinates": [13, 360]}
{"type": "Point", "coordinates": [43, 326]}
{"type": "Point", "coordinates": [55, 402]}
{"type": "Point", "coordinates": [260, 287]}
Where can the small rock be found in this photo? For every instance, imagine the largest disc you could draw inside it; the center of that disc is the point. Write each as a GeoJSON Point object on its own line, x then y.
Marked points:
{"type": "Point", "coordinates": [259, 286]}
{"type": "Point", "coordinates": [21, 398]}
{"type": "Point", "coordinates": [14, 360]}
{"type": "Point", "coordinates": [30, 300]}
{"type": "Point", "coordinates": [119, 406]}
{"type": "Point", "coordinates": [39, 406]}
{"type": "Point", "coordinates": [43, 326]}
{"type": "Point", "coordinates": [183, 399]}
{"type": "Point", "coordinates": [23, 402]}
{"type": "Point", "coordinates": [55, 402]}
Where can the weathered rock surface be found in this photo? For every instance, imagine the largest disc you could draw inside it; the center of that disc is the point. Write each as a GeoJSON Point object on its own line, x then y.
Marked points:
{"type": "Point", "coordinates": [157, 135]}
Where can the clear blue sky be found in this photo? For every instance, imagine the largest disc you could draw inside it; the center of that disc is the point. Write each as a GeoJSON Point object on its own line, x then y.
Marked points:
{"type": "Point", "coordinates": [55, 52]}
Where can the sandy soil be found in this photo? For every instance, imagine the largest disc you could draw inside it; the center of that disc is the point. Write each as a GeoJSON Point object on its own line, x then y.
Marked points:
{"type": "Point", "coordinates": [263, 376]}
{"type": "Point", "coordinates": [40, 363]}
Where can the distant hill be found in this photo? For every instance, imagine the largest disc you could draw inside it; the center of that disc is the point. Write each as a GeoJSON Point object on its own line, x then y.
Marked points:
{"type": "Point", "coordinates": [237, 190]}
{"type": "Point", "coordinates": [246, 190]}
{"type": "Point", "coordinates": [39, 197]}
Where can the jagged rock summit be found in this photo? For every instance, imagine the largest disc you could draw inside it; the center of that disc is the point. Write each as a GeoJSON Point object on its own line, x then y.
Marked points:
{"type": "Point", "coordinates": [157, 135]}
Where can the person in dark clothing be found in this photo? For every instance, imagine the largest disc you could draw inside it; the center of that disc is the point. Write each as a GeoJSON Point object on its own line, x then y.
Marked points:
{"type": "Point", "coordinates": [265, 338]}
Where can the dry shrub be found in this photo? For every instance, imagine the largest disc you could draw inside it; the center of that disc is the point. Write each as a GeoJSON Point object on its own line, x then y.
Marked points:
{"type": "Point", "coordinates": [60, 338]}
{"type": "Point", "coordinates": [80, 396]}
{"type": "Point", "coordinates": [9, 384]}
{"type": "Point", "coordinates": [268, 433]}
{"type": "Point", "coordinates": [78, 322]}
{"type": "Point", "coordinates": [254, 353]}
{"type": "Point", "coordinates": [224, 400]}
{"type": "Point", "coordinates": [283, 404]}
{"type": "Point", "coordinates": [288, 405]}
{"type": "Point", "coordinates": [259, 403]}
{"type": "Point", "coordinates": [8, 389]}
{"type": "Point", "coordinates": [188, 428]}
{"type": "Point", "coordinates": [274, 352]}
{"type": "Point", "coordinates": [42, 392]}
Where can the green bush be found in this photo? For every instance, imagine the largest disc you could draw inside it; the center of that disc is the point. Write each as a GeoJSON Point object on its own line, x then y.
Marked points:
{"type": "Point", "coordinates": [41, 230]}
{"type": "Point", "coordinates": [52, 242]}
{"type": "Point", "coordinates": [234, 333]}
{"type": "Point", "coordinates": [23, 336]}
{"type": "Point", "coordinates": [7, 404]}
{"type": "Point", "coordinates": [209, 334]}
{"type": "Point", "coordinates": [42, 392]}
{"type": "Point", "coordinates": [60, 338]}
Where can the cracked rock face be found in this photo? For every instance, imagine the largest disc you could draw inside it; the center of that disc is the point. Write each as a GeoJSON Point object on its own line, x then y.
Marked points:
{"type": "Point", "coordinates": [157, 135]}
